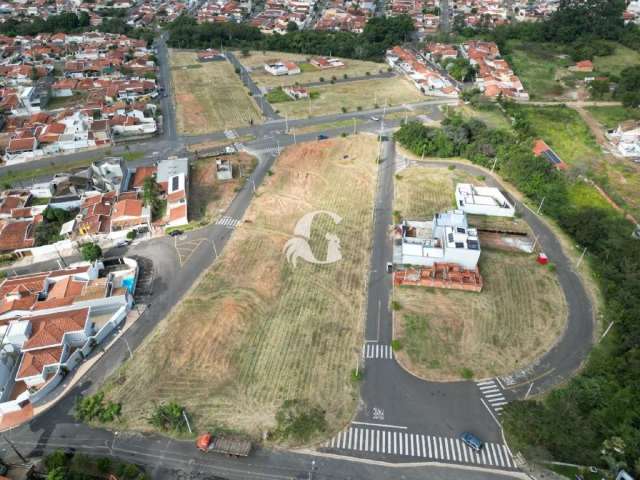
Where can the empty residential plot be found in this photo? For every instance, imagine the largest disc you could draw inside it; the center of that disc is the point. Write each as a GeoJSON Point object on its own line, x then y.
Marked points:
{"type": "Point", "coordinates": [365, 94]}
{"type": "Point", "coordinates": [209, 96]}
{"type": "Point", "coordinates": [420, 192]}
{"type": "Point", "coordinates": [309, 73]}
{"type": "Point", "coordinates": [257, 330]}
{"type": "Point", "coordinates": [210, 197]}
{"type": "Point", "coordinates": [518, 315]}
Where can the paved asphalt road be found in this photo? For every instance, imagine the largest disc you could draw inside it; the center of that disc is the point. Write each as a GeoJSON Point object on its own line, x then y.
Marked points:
{"type": "Point", "coordinates": [393, 400]}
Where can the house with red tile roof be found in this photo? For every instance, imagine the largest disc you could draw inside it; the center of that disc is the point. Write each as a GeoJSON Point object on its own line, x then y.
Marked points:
{"type": "Point", "coordinates": [52, 321]}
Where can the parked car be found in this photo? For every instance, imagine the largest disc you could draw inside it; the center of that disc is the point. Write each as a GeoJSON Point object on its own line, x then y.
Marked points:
{"type": "Point", "coordinates": [471, 441]}
{"type": "Point", "coordinates": [322, 137]}
{"type": "Point", "coordinates": [123, 243]}
{"type": "Point", "coordinates": [389, 267]}
{"type": "Point", "coordinates": [175, 233]}
{"type": "Point", "coordinates": [375, 119]}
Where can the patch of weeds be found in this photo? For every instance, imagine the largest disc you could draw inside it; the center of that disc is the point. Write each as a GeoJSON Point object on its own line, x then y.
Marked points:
{"type": "Point", "coordinates": [466, 373]}
{"type": "Point", "coordinates": [396, 345]}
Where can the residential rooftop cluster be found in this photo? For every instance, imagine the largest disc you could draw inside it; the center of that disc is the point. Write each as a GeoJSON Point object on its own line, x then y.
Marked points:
{"type": "Point", "coordinates": [65, 92]}
{"type": "Point", "coordinates": [495, 77]}
{"type": "Point", "coordinates": [345, 16]}
{"type": "Point", "coordinates": [277, 14]}
{"type": "Point", "coordinates": [100, 204]}
{"type": "Point", "coordinates": [424, 13]}
{"type": "Point", "coordinates": [427, 79]}
{"type": "Point", "coordinates": [51, 321]}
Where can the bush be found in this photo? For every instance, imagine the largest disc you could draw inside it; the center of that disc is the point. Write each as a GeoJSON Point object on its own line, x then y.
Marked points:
{"type": "Point", "coordinates": [367, 73]}
{"type": "Point", "coordinates": [91, 252]}
{"type": "Point", "coordinates": [395, 305]}
{"type": "Point", "coordinates": [344, 109]}
{"type": "Point", "coordinates": [396, 345]}
{"type": "Point", "coordinates": [93, 407]}
{"type": "Point", "coordinates": [104, 465]}
{"type": "Point", "coordinates": [131, 235]}
{"type": "Point", "coordinates": [345, 76]}
{"type": "Point", "coordinates": [466, 373]}
{"type": "Point", "coordinates": [170, 417]}
{"type": "Point", "coordinates": [299, 420]}
{"type": "Point", "coordinates": [321, 79]}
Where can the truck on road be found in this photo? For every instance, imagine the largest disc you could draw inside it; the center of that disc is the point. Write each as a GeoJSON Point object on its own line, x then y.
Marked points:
{"type": "Point", "coordinates": [225, 444]}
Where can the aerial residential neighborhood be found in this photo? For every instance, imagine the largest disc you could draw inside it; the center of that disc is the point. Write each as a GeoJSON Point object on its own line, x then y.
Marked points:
{"type": "Point", "coordinates": [300, 239]}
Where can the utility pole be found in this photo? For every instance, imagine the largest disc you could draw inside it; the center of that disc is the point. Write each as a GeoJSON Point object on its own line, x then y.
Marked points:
{"type": "Point", "coordinates": [286, 123]}
{"type": "Point", "coordinates": [186, 419]}
{"type": "Point", "coordinates": [581, 257]}
{"type": "Point", "coordinates": [294, 136]}
{"type": "Point", "coordinates": [494, 164]}
{"type": "Point", "coordinates": [215, 250]}
{"type": "Point", "coordinates": [540, 206]}
{"type": "Point", "coordinates": [354, 126]}
{"type": "Point", "coordinates": [13, 447]}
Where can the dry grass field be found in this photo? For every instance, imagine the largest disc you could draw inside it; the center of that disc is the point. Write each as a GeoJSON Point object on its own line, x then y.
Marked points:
{"type": "Point", "coordinates": [365, 94]}
{"type": "Point", "coordinates": [210, 197]}
{"type": "Point", "coordinates": [257, 331]}
{"type": "Point", "coordinates": [447, 335]}
{"type": "Point", "coordinates": [209, 96]}
{"type": "Point", "coordinates": [257, 59]}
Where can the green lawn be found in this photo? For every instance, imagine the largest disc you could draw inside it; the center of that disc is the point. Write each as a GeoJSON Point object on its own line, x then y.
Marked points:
{"type": "Point", "coordinates": [277, 95]}
{"type": "Point", "coordinates": [613, 64]}
{"type": "Point", "coordinates": [610, 117]}
{"type": "Point", "coordinates": [491, 115]}
{"type": "Point", "coordinates": [565, 132]}
{"type": "Point", "coordinates": [538, 65]}
{"type": "Point", "coordinates": [582, 194]}
{"type": "Point", "coordinates": [570, 472]}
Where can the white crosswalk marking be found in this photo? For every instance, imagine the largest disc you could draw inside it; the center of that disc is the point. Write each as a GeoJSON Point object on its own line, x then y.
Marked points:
{"type": "Point", "coordinates": [493, 394]}
{"type": "Point", "coordinates": [228, 222]}
{"type": "Point", "coordinates": [376, 350]}
{"type": "Point", "coordinates": [368, 438]}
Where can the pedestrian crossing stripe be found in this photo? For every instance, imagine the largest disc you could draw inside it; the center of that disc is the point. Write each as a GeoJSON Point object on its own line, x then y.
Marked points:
{"type": "Point", "coordinates": [493, 394]}
{"type": "Point", "coordinates": [376, 350]}
{"type": "Point", "coordinates": [418, 445]}
{"type": "Point", "coordinates": [229, 222]}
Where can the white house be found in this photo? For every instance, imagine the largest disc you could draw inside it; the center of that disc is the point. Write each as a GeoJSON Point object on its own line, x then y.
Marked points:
{"type": "Point", "coordinates": [282, 68]}
{"type": "Point", "coordinates": [483, 201]}
{"type": "Point", "coordinates": [445, 239]}
{"type": "Point", "coordinates": [626, 138]}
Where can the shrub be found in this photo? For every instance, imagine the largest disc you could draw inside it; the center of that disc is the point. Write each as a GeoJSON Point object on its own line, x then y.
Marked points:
{"type": "Point", "coordinates": [131, 235]}
{"type": "Point", "coordinates": [451, 167]}
{"type": "Point", "coordinates": [359, 108]}
{"type": "Point", "coordinates": [466, 373]}
{"type": "Point", "coordinates": [367, 73]}
{"type": "Point", "coordinates": [396, 344]}
{"type": "Point", "coordinates": [344, 109]}
{"type": "Point", "coordinates": [395, 305]}
{"type": "Point", "coordinates": [170, 417]}
{"type": "Point", "coordinates": [357, 375]}
{"type": "Point", "coordinates": [91, 252]}
{"type": "Point", "coordinates": [345, 76]}
{"type": "Point", "coordinates": [321, 79]}
{"type": "Point", "coordinates": [299, 420]}
{"type": "Point", "coordinates": [93, 407]}
{"type": "Point", "coordinates": [104, 465]}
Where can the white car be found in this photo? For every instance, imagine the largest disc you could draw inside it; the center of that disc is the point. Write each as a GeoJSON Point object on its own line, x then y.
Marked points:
{"type": "Point", "coordinates": [375, 119]}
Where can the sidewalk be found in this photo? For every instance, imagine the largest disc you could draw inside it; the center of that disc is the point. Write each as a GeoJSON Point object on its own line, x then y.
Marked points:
{"type": "Point", "coordinates": [15, 419]}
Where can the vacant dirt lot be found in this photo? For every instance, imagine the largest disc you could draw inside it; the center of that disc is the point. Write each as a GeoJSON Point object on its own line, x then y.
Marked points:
{"type": "Point", "coordinates": [256, 61]}
{"type": "Point", "coordinates": [209, 96]}
{"type": "Point", "coordinates": [446, 335]}
{"type": "Point", "coordinates": [210, 197]}
{"type": "Point", "coordinates": [257, 330]}
{"type": "Point", "coordinates": [365, 94]}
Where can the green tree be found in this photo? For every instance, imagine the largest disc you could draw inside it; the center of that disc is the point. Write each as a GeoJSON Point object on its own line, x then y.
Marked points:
{"type": "Point", "coordinates": [91, 252]}
{"type": "Point", "coordinates": [58, 473]}
{"type": "Point", "coordinates": [599, 88]}
{"type": "Point", "coordinates": [292, 27]}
